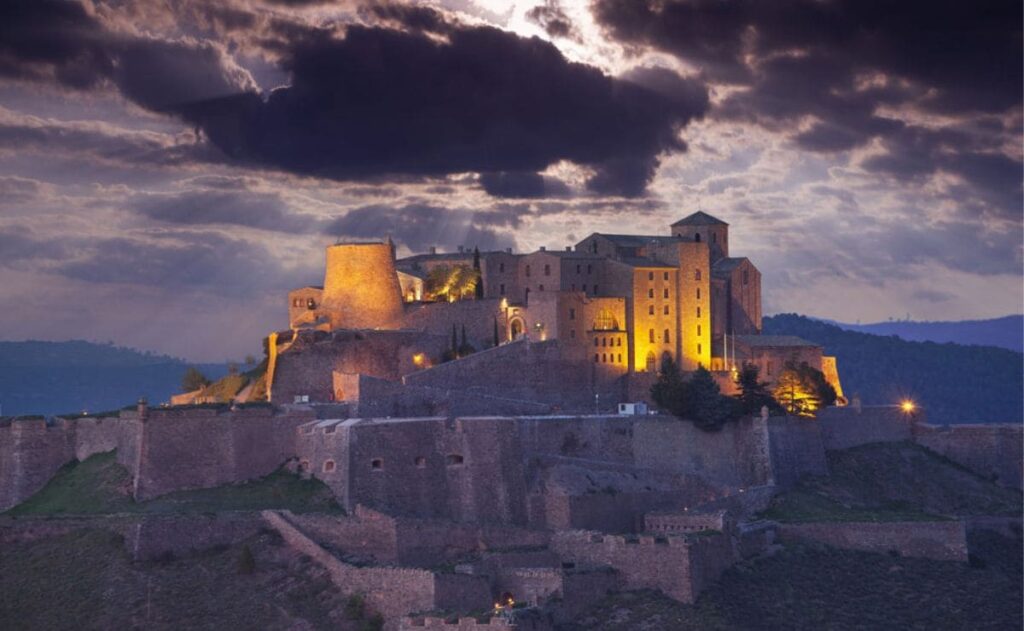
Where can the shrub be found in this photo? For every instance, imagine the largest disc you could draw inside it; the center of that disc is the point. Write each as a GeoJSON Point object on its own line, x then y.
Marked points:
{"type": "Point", "coordinates": [375, 623]}
{"type": "Point", "coordinates": [355, 607]}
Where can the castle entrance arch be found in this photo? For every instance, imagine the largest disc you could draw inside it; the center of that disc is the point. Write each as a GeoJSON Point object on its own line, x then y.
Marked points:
{"type": "Point", "coordinates": [516, 328]}
{"type": "Point", "coordinates": [652, 362]}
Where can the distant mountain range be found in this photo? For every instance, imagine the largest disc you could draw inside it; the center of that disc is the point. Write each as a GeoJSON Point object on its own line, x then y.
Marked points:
{"type": "Point", "coordinates": [1005, 332]}
{"type": "Point", "coordinates": [75, 376]}
{"type": "Point", "coordinates": [955, 383]}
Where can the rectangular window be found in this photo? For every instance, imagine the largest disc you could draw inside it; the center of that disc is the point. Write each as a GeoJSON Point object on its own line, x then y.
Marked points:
{"type": "Point", "coordinates": [595, 288]}
{"type": "Point", "coordinates": [665, 293]}
{"type": "Point", "coordinates": [604, 358]}
{"type": "Point", "coordinates": [579, 269]}
{"type": "Point", "coordinates": [651, 335]}
{"type": "Point", "coordinates": [665, 276]}
{"type": "Point", "coordinates": [596, 341]}
{"type": "Point", "coordinates": [698, 349]}
{"type": "Point", "coordinates": [698, 312]}
{"type": "Point", "coordinates": [746, 277]}
{"type": "Point", "coordinates": [590, 268]}
{"type": "Point", "coordinates": [650, 275]}
{"type": "Point", "coordinates": [596, 357]}
{"type": "Point", "coordinates": [618, 342]}
{"type": "Point", "coordinates": [547, 270]}
{"type": "Point", "coordinates": [696, 274]}
{"type": "Point", "coordinates": [698, 293]}
{"type": "Point", "coordinates": [650, 292]}
{"type": "Point", "coordinates": [501, 267]}
{"type": "Point", "coordinates": [527, 271]}
{"type": "Point", "coordinates": [501, 289]}
{"type": "Point", "coordinates": [698, 329]}
{"type": "Point", "coordinates": [620, 358]}
{"type": "Point", "coordinates": [572, 314]}
{"type": "Point", "coordinates": [667, 340]}
{"type": "Point", "coordinates": [666, 309]}
{"type": "Point", "coordinates": [650, 310]}
{"type": "Point", "coordinates": [572, 333]}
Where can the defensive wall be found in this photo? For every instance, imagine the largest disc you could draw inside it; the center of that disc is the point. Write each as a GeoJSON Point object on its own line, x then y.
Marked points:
{"type": "Point", "coordinates": [419, 623]}
{"type": "Point", "coordinates": [995, 451]}
{"type": "Point", "coordinates": [477, 316]}
{"type": "Point", "coordinates": [854, 425]}
{"type": "Point", "coordinates": [173, 449]}
{"type": "Point", "coordinates": [677, 566]}
{"type": "Point", "coordinates": [391, 591]}
{"type": "Point", "coordinates": [32, 450]}
{"type": "Point", "coordinates": [942, 540]}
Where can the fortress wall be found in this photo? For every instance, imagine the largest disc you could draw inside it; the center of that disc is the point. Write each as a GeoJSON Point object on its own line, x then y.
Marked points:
{"type": "Point", "coordinates": [462, 592]}
{"type": "Point", "coordinates": [796, 449]}
{"type": "Point", "coordinates": [368, 533]}
{"type": "Point", "coordinates": [994, 451]}
{"type": "Point", "coordinates": [523, 370]}
{"type": "Point", "coordinates": [677, 567]}
{"type": "Point", "coordinates": [428, 542]}
{"type": "Point", "coordinates": [463, 469]}
{"type": "Point", "coordinates": [845, 427]}
{"type": "Point", "coordinates": [605, 438]}
{"type": "Point", "coordinates": [942, 540]}
{"type": "Point", "coordinates": [478, 316]}
{"type": "Point", "coordinates": [90, 435]}
{"type": "Point", "coordinates": [201, 448]}
{"type": "Point", "coordinates": [31, 452]}
{"type": "Point", "coordinates": [623, 512]}
{"type": "Point", "coordinates": [738, 455]}
{"type": "Point", "coordinates": [317, 447]}
{"type": "Point", "coordinates": [533, 585]}
{"type": "Point", "coordinates": [583, 589]}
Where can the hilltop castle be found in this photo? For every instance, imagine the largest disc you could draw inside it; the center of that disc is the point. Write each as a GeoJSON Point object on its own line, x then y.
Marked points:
{"type": "Point", "coordinates": [606, 312]}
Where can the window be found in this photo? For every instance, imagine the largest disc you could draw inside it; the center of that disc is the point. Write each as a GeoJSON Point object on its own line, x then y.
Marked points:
{"type": "Point", "coordinates": [665, 276]}
{"type": "Point", "coordinates": [597, 342]}
{"type": "Point", "coordinates": [311, 304]}
{"type": "Point", "coordinates": [572, 333]}
{"type": "Point", "coordinates": [698, 312]}
{"type": "Point", "coordinates": [618, 342]}
{"type": "Point", "coordinates": [696, 274]}
{"type": "Point", "coordinates": [746, 277]}
{"type": "Point", "coordinates": [540, 287]}
{"type": "Point", "coordinates": [527, 271]}
{"type": "Point", "coordinates": [604, 358]}
{"type": "Point", "coordinates": [595, 288]}
{"type": "Point", "coordinates": [667, 338]}
{"type": "Point", "coordinates": [650, 275]}
{"type": "Point", "coordinates": [377, 464]}
{"type": "Point", "coordinates": [590, 268]}
{"type": "Point", "coordinates": [596, 357]}
{"type": "Point", "coordinates": [547, 270]}
{"type": "Point", "coordinates": [579, 269]}
{"type": "Point", "coordinates": [453, 460]}
{"type": "Point", "coordinates": [698, 329]}
{"type": "Point", "coordinates": [620, 358]}
{"type": "Point", "coordinates": [650, 310]}
{"type": "Point", "coordinates": [650, 335]}
{"type": "Point", "coordinates": [698, 349]}
{"type": "Point", "coordinates": [666, 309]}
{"type": "Point", "coordinates": [696, 237]}
{"type": "Point", "coordinates": [501, 267]}
{"type": "Point", "coordinates": [584, 289]}
{"type": "Point", "coordinates": [328, 466]}
{"type": "Point", "coordinates": [572, 314]}
{"type": "Point", "coordinates": [606, 321]}
{"type": "Point", "coordinates": [604, 341]}
{"type": "Point", "coordinates": [714, 237]}
{"type": "Point", "coordinates": [501, 288]}
{"type": "Point", "coordinates": [296, 302]}
{"type": "Point", "coordinates": [650, 292]}
{"type": "Point", "coordinates": [665, 293]}
{"type": "Point", "coordinates": [574, 286]}
{"type": "Point", "coordinates": [698, 293]}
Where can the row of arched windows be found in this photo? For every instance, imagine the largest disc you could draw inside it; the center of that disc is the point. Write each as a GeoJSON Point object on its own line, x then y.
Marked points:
{"type": "Point", "coordinates": [607, 358]}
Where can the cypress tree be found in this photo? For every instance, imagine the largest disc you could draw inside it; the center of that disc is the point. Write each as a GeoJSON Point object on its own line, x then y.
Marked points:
{"type": "Point", "coordinates": [478, 288]}
{"type": "Point", "coordinates": [496, 341]}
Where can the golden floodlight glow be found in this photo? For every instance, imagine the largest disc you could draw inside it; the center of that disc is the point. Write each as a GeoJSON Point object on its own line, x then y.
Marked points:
{"type": "Point", "coordinates": [419, 359]}
{"type": "Point", "coordinates": [908, 406]}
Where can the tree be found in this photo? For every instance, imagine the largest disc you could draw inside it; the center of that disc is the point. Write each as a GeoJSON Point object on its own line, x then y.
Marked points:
{"type": "Point", "coordinates": [465, 348]}
{"type": "Point", "coordinates": [478, 286]}
{"type": "Point", "coordinates": [668, 390]}
{"type": "Point", "coordinates": [802, 389]}
{"type": "Point", "coordinates": [754, 393]}
{"type": "Point", "coordinates": [450, 283]}
{"type": "Point", "coordinates": [698, 399]}
{"type": "Point", "coordinates": [193, 379]}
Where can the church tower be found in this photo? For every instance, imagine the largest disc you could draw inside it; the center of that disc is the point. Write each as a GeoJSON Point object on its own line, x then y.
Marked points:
{"type": "Point", "coordinates": [703, 228]}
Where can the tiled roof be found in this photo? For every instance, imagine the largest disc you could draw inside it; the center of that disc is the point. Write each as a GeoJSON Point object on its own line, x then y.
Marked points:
{"type": "Point", "coordinates": [636, 240]}
{"type": "Point", "coordinates": [725, 266]}
{"type": "Point", "coordinates": [700, 218]}
{"type": "Point", "coordinates": [636, 261]}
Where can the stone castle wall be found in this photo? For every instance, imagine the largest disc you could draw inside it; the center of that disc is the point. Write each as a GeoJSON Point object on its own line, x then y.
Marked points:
{"type": "Point", "coordinates": [993, 451]}
{"type": "Point", "coordinates": [477, 316]}
{"type": "Point", "coordinates": [191, 448]}
{"type": "Point", "coordinates": [796, 449]}
{"type": "Point", "coordinates": [942, 540]}
{"type": "Point", "coordinates": [850, 426]}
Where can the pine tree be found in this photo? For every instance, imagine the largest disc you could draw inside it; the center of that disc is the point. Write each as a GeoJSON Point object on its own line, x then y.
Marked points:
{"type": "Point", "coordinates": [754, 393]}
{"type": "Point", "coordinates": [455, 341]}
{"type": "Point", "coordinates": [193, 379]}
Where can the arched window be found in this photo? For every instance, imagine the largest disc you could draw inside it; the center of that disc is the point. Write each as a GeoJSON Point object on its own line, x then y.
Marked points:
{"type": "Point", "coordinates": [696, 274]}
{"type": "Point", "coordinates": [696, 237]}
{"type": "Point", "coordinates": [310, 303]}
{"type": "Point", "coordinates": [650, 292]}
{"type": "Point", "coordinates": [328, 466]}
{"type": "Point", "coordinates": [606, 321]}
{"type": "Point", "coordinates": [650, 335]}
{"type": "Point", "coordinates": [650, 310]}
{"type": "Point", "coordinates": [651, 360]}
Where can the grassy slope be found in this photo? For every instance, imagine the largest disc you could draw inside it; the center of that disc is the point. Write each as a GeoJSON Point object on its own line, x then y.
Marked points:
{"type": "Point", "coordinates": [84, 580]}
{"type": "Point", "coordinates": [99, 485]}
{"type": "Point", "coordinates": [892, 482]}
{"type": "Point", "coordinates": [815, 587]}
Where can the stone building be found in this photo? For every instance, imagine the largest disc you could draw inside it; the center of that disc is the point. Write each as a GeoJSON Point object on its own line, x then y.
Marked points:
{"type": "Point", "coordinates": [618, 305]}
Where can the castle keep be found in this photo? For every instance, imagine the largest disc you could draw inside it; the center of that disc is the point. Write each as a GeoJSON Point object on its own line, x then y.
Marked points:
{"type": "Point", "coordinates": [607, 313]}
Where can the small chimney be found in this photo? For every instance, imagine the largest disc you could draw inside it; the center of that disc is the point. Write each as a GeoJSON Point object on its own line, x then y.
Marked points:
{"type": "Point", "coordinates": [433, 249]}
{"type": "Point", "coordinates": [543, 248]}
{"type": "Point", "coordinates": [568, 248]}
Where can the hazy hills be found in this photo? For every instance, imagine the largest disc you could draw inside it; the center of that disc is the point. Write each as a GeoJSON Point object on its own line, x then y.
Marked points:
{"type": "Point", "coordinates": [1005, 332]}
{"type": "Point", "coordinates": [62, 377]}
{"type": "Point", "coordinates": [956, 383]}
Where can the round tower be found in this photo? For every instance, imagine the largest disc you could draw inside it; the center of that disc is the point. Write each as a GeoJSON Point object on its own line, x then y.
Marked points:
{"type": "Point", "coordinates": [361, 289]}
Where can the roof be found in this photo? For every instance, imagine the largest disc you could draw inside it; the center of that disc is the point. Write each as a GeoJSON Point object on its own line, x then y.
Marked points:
{"type": "Point", "coordinates": [772, 341]}
{"type": "Point", "coordinates": [727, 265]}
{"type": "Point", "coordinates": [636, 261]}
{"type": "Point", "coordinates": [700, 218]}
{"type": "Point", "coordinates": [636, 240]}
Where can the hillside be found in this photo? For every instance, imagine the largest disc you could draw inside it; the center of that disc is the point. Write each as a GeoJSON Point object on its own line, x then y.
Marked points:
{"type": "Point", "coordinates": [955, 383]}
{"type": "Point", "coordinates": [61, 377]}
{"type": "Point", "coordinates": [1006, 332]}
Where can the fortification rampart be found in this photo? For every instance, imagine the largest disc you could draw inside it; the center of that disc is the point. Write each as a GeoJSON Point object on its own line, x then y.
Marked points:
{"type": "Point", "coordinates": [995, 451]}
{"type": "Point", "coordinates": [853, 425]}
{"type": "Point", "coordinates": [796, 449]}
{"type": "Point", "coordinates": [942, 540]}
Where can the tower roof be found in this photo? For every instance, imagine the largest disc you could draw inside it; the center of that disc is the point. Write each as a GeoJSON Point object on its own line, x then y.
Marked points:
{"type": "Point", "coordinates": [700, 218]}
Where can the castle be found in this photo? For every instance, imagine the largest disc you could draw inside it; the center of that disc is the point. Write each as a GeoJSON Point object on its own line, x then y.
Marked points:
{"type": "Point", "coordinates": [607, 312]}
{"type": "Point", "coordinates": [482, 445]}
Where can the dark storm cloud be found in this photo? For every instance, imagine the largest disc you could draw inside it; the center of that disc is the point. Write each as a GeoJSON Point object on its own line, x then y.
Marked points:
{"type": "Point", "coordinates": [845, 68]}
{"type": "Point", "coordinates": [383, 101]}
{"type": "Point", "coordinates": [419, 226]}
{"type": "Point", "coordinates": [522, 185]}
{"type": "Point", "coordinates": [551, 17]}
{"type": "Point", "coordinates": [252, 209]}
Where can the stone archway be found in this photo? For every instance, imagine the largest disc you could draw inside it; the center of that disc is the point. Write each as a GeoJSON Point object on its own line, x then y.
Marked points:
{"type": "Point", "coordinates": [516, 327]}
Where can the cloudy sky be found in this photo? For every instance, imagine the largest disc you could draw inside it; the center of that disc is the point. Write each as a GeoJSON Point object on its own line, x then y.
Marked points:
{"type": "Point", "coordinates": [168, 170]}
